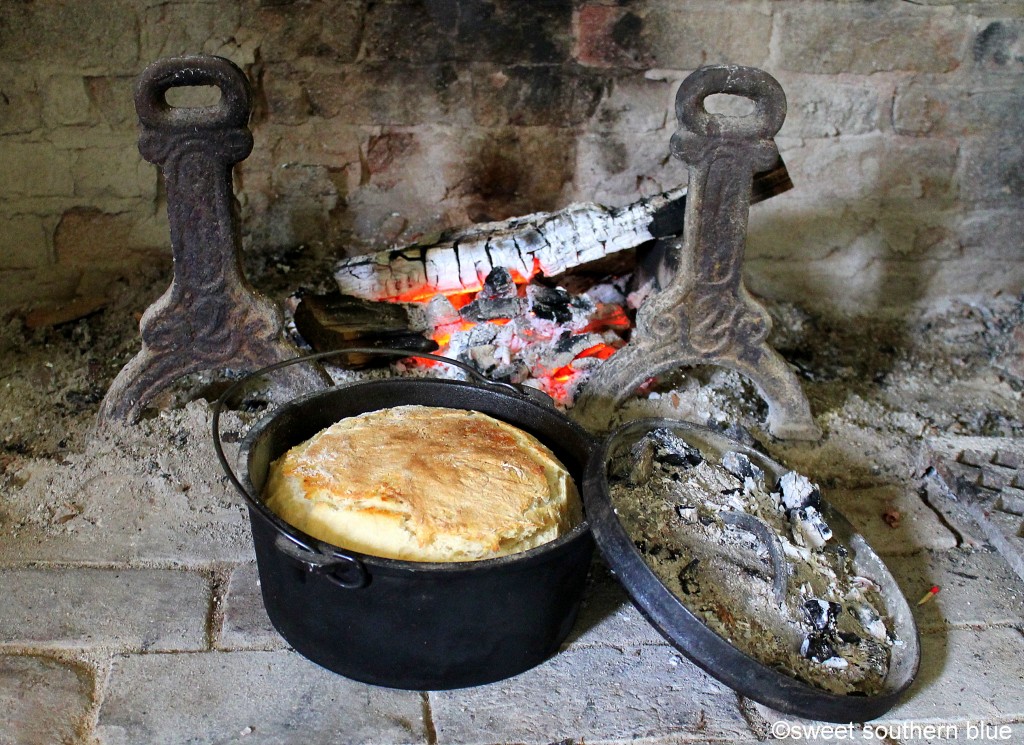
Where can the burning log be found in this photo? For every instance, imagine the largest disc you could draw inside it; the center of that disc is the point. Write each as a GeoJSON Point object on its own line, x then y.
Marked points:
{"type": "Point", "coordinates": [545, 243]}
{"type": "Point", "coordinates": [541, 243]}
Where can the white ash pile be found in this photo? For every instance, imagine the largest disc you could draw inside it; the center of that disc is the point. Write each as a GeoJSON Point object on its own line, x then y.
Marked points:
{"type": "Point", "coordinates": [757, 563]}
{"type": "Point", "coordinates": [540, 336]}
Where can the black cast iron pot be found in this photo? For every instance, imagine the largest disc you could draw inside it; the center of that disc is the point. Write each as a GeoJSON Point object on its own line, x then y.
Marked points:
{"type": "Point", "coordinates": [405, 624]}
{"type": "Point", "coordinates": [448, 625]}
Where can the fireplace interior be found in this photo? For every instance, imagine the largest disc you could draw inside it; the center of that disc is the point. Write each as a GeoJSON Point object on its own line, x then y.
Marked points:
{"type": "Point", "coordinates": [514, 186]}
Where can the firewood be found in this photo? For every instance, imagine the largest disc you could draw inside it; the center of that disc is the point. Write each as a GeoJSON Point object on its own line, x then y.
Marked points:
{"type": "Point", "coordinates": [547, 243]}
{"type": "Point", "coordinates": [336, 321]}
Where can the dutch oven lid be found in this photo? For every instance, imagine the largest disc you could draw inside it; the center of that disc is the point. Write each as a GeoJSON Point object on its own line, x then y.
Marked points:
{"type": "Point", "coordinates": [687, 630]}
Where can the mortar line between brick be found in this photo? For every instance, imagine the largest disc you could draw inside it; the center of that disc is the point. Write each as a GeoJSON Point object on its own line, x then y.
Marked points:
{"type": "Point", "coordinates": [922, 494]}
{"type": "Point", "coordinates": [101, 682]}
{"type": "Point", "coordinates": [159, 565]}
{"type": "Point", "coordinates": [428, 719]}
{"type": "Point", "coordinates": [218, 579]}
{"type": "Point", "coordinates": [755, 722]}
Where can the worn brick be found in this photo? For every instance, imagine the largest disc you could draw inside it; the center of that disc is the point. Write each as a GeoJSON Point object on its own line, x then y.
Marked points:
{"type": "Point", "coordinates": [999, 46]}
{"type": "Point", "coordinates": [186, 27]}
{"type": "Point", "coordinates": [246, 624]}
{"type": "Point", "coordinates": [789, 228]}
{"type": "Point", "coordinates": [807, 241]}
{"type": "Point", "coordinates": [20, 103]}
{"type": "Point", "coordinates": [596, 694]}
{"type": "Point", "coordinates": [304, 201]}
{"type": "Point", "coordinates": [23, 242]}
{"type": "Point", "coordinates": [824, 106]}
{"type": "Point", "coordinates": [326, 30]}
{"type": "Point", "coordinates": [413, 32]}
{"type": "Point", "coordinates": [873, 166]}
{"type": "Point", "coordinates": [156, 610]}
{"type": "Point", "coordinates": [309, 186]}
{"type": "Point", "coordinates": [514, 33]}
{"type": "Point", "coordinates": [117, 171]}
{"type": "Point", "coordinates": [965, 676]}
{"type": "Point", "coordinates": [991, 171]}
{"type": "Point", "coordinates": [503, 33]}
{"type": "Point", "coordinates": [609, 618]}
{"type": "Point", "coordinates": [113, 99]}
{"type": "Point", "coordinates": [618, 168]}
{"type": "Point", "coordinates": [20, 288]}
{"type": "Point", "coordinates": [918, 527]}
{"type": "Point", "coordinates": [990, 234]}
{"type": "Point", "coordinates": [930, 106]}
{"type": "Point", "coordinates": [946, 280]}
{"type": "Point", "coordinates": [65, 101]}
{"type": "Point", "coordinates": [276, 697]}
{"type": "Point", "coordinates": [495, 173]}
{"type": "Point", "coordinates": [114, 507]}
{"type": "Point", "coordinates": [536, 95]}
{"type": "Point", "coordinates": [684, 36]}
{"type": "Point", "coordinates": [43, 701]}
{"type": "Point", "coordinates": [635, 104]}
{"type": "Point", "coordinates": [977, 588]}
{"type": "Point", "coordinates": [389, 93]}
{"type": "Point", "coordinates": [867, 38]}
{"type": "Point", "coordinates": [36, 170]}
{"type": "Point", "coordinates": [87, 237]}
{"type": "Point", "coordinates": [66, 34]}
{"type": "Point", "coordinates": [287, 98]}
{"type": "Point", "coordinates": [387, 156]}
{"type": "Point", "coordinates": [969, 675]}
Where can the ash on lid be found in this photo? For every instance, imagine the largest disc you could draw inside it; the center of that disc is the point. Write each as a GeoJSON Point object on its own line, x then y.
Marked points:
{"type": "Point", "coordinates": [701, 527]}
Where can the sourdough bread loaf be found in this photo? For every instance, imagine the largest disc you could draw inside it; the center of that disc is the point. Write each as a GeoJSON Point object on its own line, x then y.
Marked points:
{"type": "Point", "coordinates": [425, 483]}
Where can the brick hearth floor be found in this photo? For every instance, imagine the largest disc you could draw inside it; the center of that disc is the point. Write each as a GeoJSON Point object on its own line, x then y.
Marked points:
{"type": "Point", "coordinates": [179, 649]}
{"type": "Point", "coordinates": [131, 612]}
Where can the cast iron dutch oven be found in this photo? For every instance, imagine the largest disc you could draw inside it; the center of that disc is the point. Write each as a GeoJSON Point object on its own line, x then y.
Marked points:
{"type": "Point", "coordinates": [407, 624]}
{"type": "Point", "coordinates": [434, 626]}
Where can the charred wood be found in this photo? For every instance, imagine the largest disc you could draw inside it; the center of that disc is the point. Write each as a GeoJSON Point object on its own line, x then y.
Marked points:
{"type": "Point", "coordinates": [335, 321]}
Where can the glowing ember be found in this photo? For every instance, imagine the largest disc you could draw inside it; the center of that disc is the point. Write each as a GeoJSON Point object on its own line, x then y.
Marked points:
{"type": "Point", "coordinates": [552, 342]}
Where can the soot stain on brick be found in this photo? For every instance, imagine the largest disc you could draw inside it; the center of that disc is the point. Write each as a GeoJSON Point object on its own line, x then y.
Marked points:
{"type": "Point", "coordinates": [535, 32]}
{"type": "Point", "coordinates": [497, 178]}
{"type": "Point", "coordinates": [444, 76]}
{"type": "Point", "coordinates": [385, 149]}
{"type": "Point", "coordinates": [627, 29]}
{"type": "Point", "coordinates": [538, 95]}
{"type": "Point", "coordinates": [994, 45]}
{"type": "Point", "coordinates": [507, 174]}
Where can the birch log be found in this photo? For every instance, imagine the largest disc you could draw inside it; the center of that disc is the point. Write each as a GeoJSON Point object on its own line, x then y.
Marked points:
{"type": "Point", "coordinates": [547, 243]}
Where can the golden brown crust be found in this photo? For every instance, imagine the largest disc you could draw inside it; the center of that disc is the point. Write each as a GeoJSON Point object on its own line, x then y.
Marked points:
{"type": "Point", "coordinates": [425, 484]}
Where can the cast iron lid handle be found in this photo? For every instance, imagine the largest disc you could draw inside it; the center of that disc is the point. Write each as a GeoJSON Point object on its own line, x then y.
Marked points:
{"type": "Point", "coordinates": [317, 556]}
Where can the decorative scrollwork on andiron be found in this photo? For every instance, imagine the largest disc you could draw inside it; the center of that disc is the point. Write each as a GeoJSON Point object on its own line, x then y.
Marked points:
{"type": "Point", "coordinates": [210, 317]}
{"type": "Point", "coordinates": [704, 313]}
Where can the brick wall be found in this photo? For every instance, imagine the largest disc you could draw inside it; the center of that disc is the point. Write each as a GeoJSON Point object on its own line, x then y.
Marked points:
{"type": "Point", "coordinates": [379, 121]}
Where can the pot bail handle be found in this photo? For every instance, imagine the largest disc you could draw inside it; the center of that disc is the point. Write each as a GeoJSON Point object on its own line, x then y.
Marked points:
{"type": "Point", "coordinates": [317, 556]}
{"type": "Point", "coordinates": [219, 404]}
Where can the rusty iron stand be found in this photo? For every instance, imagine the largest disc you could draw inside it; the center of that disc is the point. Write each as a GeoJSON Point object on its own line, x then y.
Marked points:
{"type": "Point", "coordinates": [704, 314]}
{"type": "Point", "coordinates": [210, 318]}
